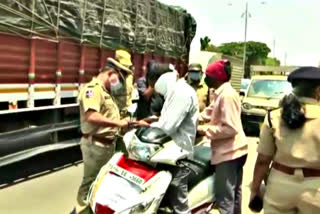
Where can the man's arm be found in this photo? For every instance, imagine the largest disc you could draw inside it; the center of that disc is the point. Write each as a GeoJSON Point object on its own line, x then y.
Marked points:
{"type": "Point", "coordinates": [260, 170]}
{"type": "Point", "coordinates": [148, 93]}
{"type": "Point", "coordinates": [91, 102]}
{"type": "Point", "coordinates": [229, 120]}
{"type": "Point", "coordinates": [143, 89]}
{"type": "Point", "coordinates": [98, 119]}
{"type": "Point", "coordinates": [174, 114]}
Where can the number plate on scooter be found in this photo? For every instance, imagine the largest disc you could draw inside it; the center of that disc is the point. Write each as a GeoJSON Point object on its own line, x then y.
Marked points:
{"type": "Point", "coordinates": [131, 170]}
{"type": "Point", "coordinates": [126, 174]}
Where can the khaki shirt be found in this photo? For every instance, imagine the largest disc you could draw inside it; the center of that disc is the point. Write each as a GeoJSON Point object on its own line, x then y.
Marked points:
{"type": "Point", "coordinates": [295, 148]}
{"type": "Point", "coordinates": [202, 94]}
{"type": "Point", "coordinates": [124, 98]}
{"type": "Point", "coordinates": [94, 96]}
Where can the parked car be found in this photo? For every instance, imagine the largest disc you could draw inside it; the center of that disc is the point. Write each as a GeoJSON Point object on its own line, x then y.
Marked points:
{"type": "Point", "coordinates": [264, 94]}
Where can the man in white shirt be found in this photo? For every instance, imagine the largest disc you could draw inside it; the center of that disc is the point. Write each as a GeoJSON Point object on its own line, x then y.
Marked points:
{"type": "Point", "coordinates": [178, 120]}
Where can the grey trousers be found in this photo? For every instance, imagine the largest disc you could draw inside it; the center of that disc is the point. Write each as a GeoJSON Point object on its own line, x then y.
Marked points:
{"type": "Point", "coordinates": [178, 190]}
{"type": "Point", "coordinates": [228, 183]}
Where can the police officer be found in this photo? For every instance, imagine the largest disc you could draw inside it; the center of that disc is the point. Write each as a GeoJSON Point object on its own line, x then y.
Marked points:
{"type": "Point", "coordinates": [100, 122]}
{"type": "Point", "coordinates": [290, 140]}
{"type": "Point", "coordinates": [123, 96]}
{"type": "Point", "coordinates": [194, 78]}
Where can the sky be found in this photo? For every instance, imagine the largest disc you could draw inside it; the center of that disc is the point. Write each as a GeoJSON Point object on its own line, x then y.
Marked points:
{"type": "Point", "coordinates": [292, 25]}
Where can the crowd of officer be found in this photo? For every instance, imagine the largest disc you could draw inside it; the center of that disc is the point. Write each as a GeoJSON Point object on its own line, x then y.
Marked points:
{"type": "Point", "coordinates": [288, 137]}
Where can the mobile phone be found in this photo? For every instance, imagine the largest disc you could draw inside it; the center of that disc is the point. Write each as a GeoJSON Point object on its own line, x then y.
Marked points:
{"type": "Point", "coordinates": [256, 204]}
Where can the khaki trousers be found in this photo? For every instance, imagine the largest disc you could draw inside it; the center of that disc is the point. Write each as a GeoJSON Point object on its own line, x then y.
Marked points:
{"type": "Point", "coordinates": [292, 194]}
{"type": "Point", "coordinates": [94, 157]}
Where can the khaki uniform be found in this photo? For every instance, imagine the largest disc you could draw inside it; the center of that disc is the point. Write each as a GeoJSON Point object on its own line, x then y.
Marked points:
{"type": "Point", "coordinates": [300, 148]}
{"type": "Point", "coordinates": [95, 154]}
{"type": "Point", "coordinates": [202, 94]}
{"type": "Point", "coordinates": [124, 98]}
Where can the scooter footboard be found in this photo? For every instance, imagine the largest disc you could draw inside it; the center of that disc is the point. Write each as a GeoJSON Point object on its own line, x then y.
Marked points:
{"type": "Point", "coordinates": [128, 186]}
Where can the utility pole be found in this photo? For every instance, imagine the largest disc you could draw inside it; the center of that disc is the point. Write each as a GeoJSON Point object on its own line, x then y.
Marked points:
{"type": "Point", "coordinates": [274, 48]}
{"type": "Point", "coordinates": [285, 58]}
{"type": "Point", "coordinates": [245, 38]}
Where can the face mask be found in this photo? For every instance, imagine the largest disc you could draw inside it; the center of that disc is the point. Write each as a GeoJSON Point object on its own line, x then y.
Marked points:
{"type": "Point", "coordinates": [116, 88]}
{"type": "Point", "coordinates": [194, 76]}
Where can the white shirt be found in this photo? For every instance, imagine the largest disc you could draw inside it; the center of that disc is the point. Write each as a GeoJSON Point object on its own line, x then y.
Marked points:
{"type": "Point", "coordinates": [179, 114]}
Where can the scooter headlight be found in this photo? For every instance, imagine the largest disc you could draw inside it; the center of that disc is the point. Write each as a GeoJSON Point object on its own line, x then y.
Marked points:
{"type": "Point", "coordinates": [142, 151]}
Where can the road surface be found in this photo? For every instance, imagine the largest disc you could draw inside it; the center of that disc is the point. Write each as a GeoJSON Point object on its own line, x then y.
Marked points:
{"type": "Point", "coordinates": [55, 193]}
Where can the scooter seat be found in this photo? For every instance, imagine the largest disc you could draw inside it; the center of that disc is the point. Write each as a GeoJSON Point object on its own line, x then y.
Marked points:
{"type": "Point", "coordinates": [203, 155]}
{"type": "Point", "coordinates": [152, 135]}
{"type": "Point", "coordinates": [199, 165]}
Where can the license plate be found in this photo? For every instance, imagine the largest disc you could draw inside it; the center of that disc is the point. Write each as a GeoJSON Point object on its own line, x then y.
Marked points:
{"type": "Point", "coordinates": [126, 174]}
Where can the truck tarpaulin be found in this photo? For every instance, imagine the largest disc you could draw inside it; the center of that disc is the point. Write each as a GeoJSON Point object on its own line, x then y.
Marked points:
{"type": "Point", "coordinates": [143, 26]}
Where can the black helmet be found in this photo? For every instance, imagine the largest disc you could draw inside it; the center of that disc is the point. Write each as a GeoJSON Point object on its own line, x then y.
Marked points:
{"type": "Point", "coordinates": [155, 70]}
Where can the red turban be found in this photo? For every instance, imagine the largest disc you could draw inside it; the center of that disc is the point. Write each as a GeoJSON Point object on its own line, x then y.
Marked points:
{"type": "Point", "coordinates": [216, 70]}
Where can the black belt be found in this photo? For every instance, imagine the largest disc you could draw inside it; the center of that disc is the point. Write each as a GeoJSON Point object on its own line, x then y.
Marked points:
{"type": "Point", "coordinates": [307, 172]}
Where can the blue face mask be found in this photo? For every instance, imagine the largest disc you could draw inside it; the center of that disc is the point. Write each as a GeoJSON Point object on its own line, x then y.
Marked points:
{"type": "Point", "coordinates": [194, 76]}
{"type": "Point", "coordinates": [116, 88]}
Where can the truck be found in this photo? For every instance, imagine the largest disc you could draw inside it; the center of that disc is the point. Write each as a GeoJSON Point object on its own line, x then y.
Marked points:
{"type": "Point", "coordinates": [50, 48]}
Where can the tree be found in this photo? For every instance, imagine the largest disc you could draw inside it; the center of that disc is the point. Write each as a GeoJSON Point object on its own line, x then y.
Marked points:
{"type": "Point", "coordinates": [270, 61]}
{"type": "Point", "coordinates": [256, 52]}
{"type": "Point", "coordinates": [212, 48]}
{"type": "Point", "coordinates": [204, 42]}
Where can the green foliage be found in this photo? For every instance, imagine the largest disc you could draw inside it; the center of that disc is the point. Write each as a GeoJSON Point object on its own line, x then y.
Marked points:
{"type": "Point", "coordinates": [270, 61]}
{"type": "Point", "coordinates": [211, 48]}
{"type": "Point", "coordinates": [204, 42]}
{"type": "Point", "coordinates": [257, 52]}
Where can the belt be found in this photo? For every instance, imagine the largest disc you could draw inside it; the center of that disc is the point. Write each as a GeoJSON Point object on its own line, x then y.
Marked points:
{"type": "Point", "coordinates": [99, 139]}
{"type": "Point", "coordinates": [307, 172]}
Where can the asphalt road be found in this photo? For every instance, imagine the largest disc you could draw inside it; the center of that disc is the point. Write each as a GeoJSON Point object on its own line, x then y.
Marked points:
{"type": "Point", "coordinates": [55, 193]}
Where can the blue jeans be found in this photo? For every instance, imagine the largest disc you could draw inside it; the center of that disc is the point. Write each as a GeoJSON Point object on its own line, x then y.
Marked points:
{"type": "Point", "coordinates": [228, 183]}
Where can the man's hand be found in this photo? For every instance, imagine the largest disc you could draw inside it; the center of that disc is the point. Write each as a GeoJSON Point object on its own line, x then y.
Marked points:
{"type": "Point", "coordinates": [142, 123]}
{"type": "Point", "coordinates": [201, 131]}
{"type": "Point", "coordinates": [254, 194]}
{"type": "Point", "coordinates": [123, 124]}
{"type": "Point", "coordinates": [151, 119]}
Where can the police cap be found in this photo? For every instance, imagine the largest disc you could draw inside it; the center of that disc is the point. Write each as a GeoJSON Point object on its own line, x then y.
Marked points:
{"type": "Point", "coordinates": [305, 73]}
{"type": "Point", "coordinates": [195, 67]}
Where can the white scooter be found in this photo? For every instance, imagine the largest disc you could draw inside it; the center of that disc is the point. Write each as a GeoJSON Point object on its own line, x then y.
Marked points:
{"type": "Point", "coordinates": [137, 182]}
